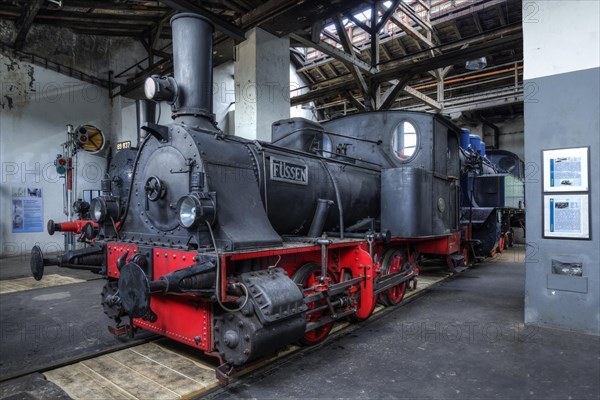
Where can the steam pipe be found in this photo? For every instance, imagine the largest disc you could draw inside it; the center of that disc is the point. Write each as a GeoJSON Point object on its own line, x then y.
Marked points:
{"type": "Point", "coordinates": [316, 227]}
{"type": "Point", "coordinates": [145, 112]}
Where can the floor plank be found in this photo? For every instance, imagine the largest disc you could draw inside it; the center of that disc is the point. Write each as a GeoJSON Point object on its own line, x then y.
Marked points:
{"type": "Point", "coordinates": [22, 284]}
{"type": "Point", "coordinates": [79, 382]}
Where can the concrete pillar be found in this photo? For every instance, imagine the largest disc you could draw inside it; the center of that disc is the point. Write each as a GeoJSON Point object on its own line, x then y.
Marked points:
{"type": "Point", "coordinates": [262, 83]}
{"type": "Point", "coordinates": [561, 84]}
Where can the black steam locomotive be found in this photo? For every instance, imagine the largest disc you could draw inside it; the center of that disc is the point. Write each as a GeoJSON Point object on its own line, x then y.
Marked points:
{"type": "Point", "coordinates": [240, 247]}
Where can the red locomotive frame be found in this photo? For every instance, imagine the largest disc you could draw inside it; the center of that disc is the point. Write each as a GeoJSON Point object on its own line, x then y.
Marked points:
{"type": "Point", "coordinates": [189, 318]}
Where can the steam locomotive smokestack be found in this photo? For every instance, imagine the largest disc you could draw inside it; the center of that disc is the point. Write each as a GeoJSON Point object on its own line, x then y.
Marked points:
{"type": "Point", "coordinates": [192, 64]}
{"type": "Point", "coordinates": [190, 92]}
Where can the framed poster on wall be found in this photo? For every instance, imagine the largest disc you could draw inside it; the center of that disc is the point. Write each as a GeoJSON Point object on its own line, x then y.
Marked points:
{"type": "Point", "coordinates": [566, 170]}
{"type": "Point", "coordinates": [27, 209]}
{"type": "Point", "coordinates": [566, 216]}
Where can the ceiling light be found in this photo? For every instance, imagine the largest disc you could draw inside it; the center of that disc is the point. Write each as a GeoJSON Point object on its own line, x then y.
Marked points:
{"type": "Point", "coordinates": [477, 64]}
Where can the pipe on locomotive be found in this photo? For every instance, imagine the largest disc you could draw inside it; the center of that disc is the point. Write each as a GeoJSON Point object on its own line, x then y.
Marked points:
{"type": "Point", "coordinates": [145, 112]}
{"type": "Point", "coordinates": [190, 95]}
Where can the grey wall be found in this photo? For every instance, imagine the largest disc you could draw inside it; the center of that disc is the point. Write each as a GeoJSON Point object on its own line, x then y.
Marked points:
{"type": "Point", "coordinates": [95, 55]}
{"type": "Point", "coordinates": [562, 79]}
{"type": "Point", "coordinates": [35, 106]}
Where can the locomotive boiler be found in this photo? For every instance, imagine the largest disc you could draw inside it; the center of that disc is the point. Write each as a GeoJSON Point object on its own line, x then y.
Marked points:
{"type": "Point", "coordinates": [239, 247]}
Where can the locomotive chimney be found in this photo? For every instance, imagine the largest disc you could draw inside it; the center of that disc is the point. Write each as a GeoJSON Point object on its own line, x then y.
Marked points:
{"type": "Point", "coordinates": [190, 91]}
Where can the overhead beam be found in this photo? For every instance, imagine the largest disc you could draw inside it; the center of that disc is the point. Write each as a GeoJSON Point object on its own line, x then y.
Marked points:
{"type": "Point", "coordinates": [358, 22]}
{"type": "Point", "coordinates": [444, 71]}
{"type": "Point", "coordinates": [44, 14]}
{"type": "Point", "coordinates": [423, 4]}
{"type": "Point", "coordinates": [477, 21]}
{"type": "Point", "coordinates": [387, 14]}
{"type": "Point", "coordinates": [111, 5]}
{"type": "Point", "coordinates": [315, 32]}
{"type": "Point", "coordinates": [506, 38]}
{"type": "Point", "coordinates": [460, 51]}
{"type": "Point", "coordinates": [409, 90]}
{"type": "Point", "coordinates": [454, 26]}
{"type": "Point", "coordinates": [386, 52]}
{"type": "Point", "coordinates": [266, 12]}
{"type": "Point", "coordinates": [24, 22]}
{"type": "Point", "coordinates": [356, 73]}
{"type": "Point", "coordinates": [355, 48]}
{"type": "Point", "coordinates": [374, 33]}
{"type": "Point", "coordinates": [91, 26]}
{"type": "Point", "coordinates": [354, 101]}
{"type": "Point", "coordinates": [333, 51]}
{"type": "Point", "coordinates": [415, 17]}
{"type": "Point", "coordinates": [234, 6]}
{"type": "Point", "coordinates": [158, 32]}
{"type": "Point", "coordinates": [391, 94]}
{"type": "Point", "coordinates": [484, 100]}
{"type": "Point", "coordinates": [412, 32]}
{"type": "Point", "coordinates": [233, 31]}
{"type": "Point", "coordinates": [501, 15]}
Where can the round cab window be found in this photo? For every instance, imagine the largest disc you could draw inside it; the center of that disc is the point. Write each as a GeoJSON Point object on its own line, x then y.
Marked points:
{"type": "Point", "coordinates": [405, 141]}
{"type": "Point", "coordinates": [322, 145]}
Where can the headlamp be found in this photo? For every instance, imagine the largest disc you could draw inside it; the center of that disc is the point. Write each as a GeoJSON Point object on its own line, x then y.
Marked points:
{"type": "Point", "coordinates": [194, 209]}
{"type": "Point", "coordinates": [98, 207]}
{"type": "Point", "coordinates": [103, 208]}
{"type": "Point", "coordinates": [188, 211]}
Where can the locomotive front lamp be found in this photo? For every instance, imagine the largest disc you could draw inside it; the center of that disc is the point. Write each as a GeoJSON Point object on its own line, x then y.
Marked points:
{"type": "Point", "coordinates": [103, 208]}
{"type": "Point", "coordinates": [194, 209]}
{"type": "Point", "coordinates": [98, 208]}
{"type": "Point", "coordinates": [187, 211]}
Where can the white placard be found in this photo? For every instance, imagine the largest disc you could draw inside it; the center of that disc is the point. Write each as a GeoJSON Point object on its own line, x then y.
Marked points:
{"type": "Point", "coordinates": [566, 216]}
{"type": "Point", "coordinates": [27, 209]}
{"type": "Point", "coordinates": [566, 170]}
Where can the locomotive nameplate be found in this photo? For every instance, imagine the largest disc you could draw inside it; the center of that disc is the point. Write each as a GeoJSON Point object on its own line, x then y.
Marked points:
{"type": "Point", "coordinates": [290, 171]}
{"type": "Point", "coordinates": [124, 145]}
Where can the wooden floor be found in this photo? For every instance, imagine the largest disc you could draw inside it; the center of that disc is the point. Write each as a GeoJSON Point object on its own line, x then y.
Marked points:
{"type": "Point", "coordinates": [161, 370]}
{"type": "Point", "coordinates": [21, 284]}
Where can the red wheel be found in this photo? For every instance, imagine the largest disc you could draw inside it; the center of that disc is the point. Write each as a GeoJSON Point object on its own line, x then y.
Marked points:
{"type": "Point", "coordinates": [347, 275]}
{"type": "Point", "coordinates": [308, 275]}
{"type": "Point", "coordinates": [500, 244]}
{"type": "Point", "coordinates": [394, 261]}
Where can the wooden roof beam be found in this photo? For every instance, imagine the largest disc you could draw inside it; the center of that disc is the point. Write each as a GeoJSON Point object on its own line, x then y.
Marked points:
{"type": "Point", "coordinates": [409, 90]}
{"type": "Point", "coordinates": [412, 32]}
{"type": "Point", "coordinates": [332, 51]}
{"type": "Point", "coordinates": [415, 17]}
{"type": "Point", "coordinates": [387, 15]}
{"type": "Point", "coordinates": [389, 96]}
{"type": "Point", "coordinates": [356, 73]}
